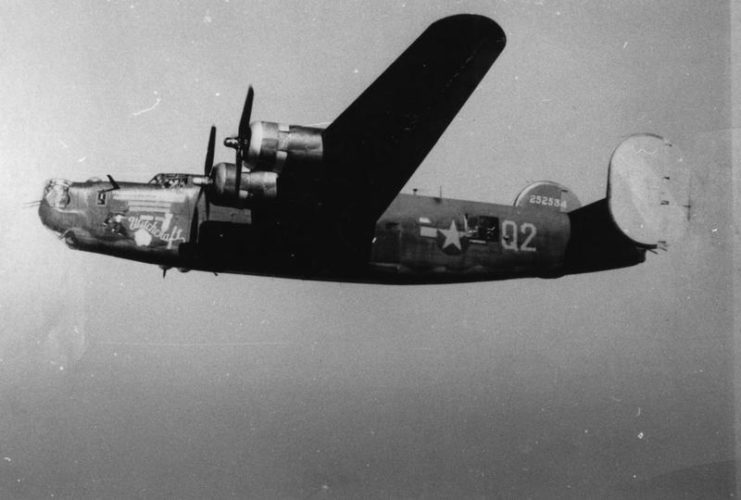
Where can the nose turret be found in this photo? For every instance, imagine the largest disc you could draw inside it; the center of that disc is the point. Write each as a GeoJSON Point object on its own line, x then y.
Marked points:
{"type": "Point", "coordinates": [61, 210]}
{"type": "Point", "coordinates": [55, 199]}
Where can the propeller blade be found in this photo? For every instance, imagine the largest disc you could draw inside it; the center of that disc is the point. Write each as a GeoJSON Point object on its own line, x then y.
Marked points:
{"type": "Point", "coordinates": [244, 136]}
{"type": "Point", "coordinates": [208, 168]}
{"type": "Point", "coordinates": [238, 172]}
{"type": "Point", "coordinates": [210, 152]}
{"type": "Point", "coordinates": [203, 193]}
{"type": "Point", "coordinates": [244, 122]}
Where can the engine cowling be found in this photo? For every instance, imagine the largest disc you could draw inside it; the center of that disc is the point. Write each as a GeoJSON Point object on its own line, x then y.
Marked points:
{"type": "Point", "coordinates": [271, 144]}
{"type": "Point", "coordinates": [254, 186]}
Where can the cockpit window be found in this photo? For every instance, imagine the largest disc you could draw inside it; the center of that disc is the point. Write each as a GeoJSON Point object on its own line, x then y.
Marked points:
{"type": "Point", "coordinates": [170, 180]}
{"type": "Point", "coordinates": [56, 193]}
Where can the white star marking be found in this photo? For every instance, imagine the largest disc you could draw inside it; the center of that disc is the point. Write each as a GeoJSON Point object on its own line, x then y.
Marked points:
{"type": "Point", "coordinates": [451, 236]}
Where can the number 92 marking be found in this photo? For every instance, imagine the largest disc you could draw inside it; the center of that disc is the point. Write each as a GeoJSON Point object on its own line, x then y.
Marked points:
{"type": "Point", "coordinates": [518, 238]}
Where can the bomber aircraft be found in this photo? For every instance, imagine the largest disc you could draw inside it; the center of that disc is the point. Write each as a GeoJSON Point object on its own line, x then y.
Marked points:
{"type": "Point", "coordinates": [323, 203]}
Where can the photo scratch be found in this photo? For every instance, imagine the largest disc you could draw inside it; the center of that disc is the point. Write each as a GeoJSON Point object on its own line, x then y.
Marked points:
{"type": "Point", "coordinates": [150, 108]}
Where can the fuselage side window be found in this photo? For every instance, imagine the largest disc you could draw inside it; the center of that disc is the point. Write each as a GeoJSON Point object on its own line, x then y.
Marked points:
{"type": "Point", "coordinates": [482, 227]}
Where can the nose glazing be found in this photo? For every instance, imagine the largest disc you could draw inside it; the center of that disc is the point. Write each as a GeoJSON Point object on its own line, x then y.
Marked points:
{"type": "Point", "coordinates": [56, 193]}
{"type": "Point", "coordinates": [56, 197]}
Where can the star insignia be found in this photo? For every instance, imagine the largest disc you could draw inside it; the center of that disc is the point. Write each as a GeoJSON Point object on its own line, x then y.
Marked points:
{"type": "Point", "coordinates": [450, 239]}
{"type": "Point", "coordinates": [451, 236]}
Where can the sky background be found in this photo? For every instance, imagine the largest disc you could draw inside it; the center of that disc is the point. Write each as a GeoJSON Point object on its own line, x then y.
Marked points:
{"type": "Point", "coordinates": [115, 382]}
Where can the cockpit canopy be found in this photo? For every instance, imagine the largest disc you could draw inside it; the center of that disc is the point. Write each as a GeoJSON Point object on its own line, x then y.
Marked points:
{"type": "Point", "coordinates": [56, 193]}
{"type": "Point", "coordinates": [170, 180]}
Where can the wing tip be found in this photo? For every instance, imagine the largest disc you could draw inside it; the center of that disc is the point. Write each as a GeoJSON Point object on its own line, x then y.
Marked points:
{"type": "Point", "coordinates": [475, 23]}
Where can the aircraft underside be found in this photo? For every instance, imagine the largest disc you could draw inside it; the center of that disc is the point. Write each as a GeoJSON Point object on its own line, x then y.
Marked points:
{"type": "Point", "coordinates": [431, 240]}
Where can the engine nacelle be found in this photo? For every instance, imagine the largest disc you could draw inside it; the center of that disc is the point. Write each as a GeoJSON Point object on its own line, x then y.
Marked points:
{"type": "Point", "coordinates": [254, 186]}
{"type": "Point", "coordinates": [272, 144]}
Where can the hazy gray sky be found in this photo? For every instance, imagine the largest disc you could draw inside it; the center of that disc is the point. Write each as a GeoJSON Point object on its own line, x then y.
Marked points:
{"type": "Point", "coordinates": [116, 382]}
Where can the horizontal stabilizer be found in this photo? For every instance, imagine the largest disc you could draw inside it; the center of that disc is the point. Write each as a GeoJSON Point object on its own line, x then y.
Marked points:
{"type": "Point", "coordinates": [648, 191]}
{"type": "Point", "coordinates": [549, 195]}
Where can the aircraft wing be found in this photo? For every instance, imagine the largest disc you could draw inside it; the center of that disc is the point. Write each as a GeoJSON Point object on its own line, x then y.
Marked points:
{"type": "Point", "coordinates": [373, 148]}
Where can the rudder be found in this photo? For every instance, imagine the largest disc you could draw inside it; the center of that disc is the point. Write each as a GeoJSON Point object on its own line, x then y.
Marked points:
{"type": "Point", "coordinates": [648, 191]}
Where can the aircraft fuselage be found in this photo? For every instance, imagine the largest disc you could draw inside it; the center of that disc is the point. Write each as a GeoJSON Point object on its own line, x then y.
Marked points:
{"type": "Point", "coordinates": [418, 239]}
{"type": "Point", "coordinates": [324, 203]}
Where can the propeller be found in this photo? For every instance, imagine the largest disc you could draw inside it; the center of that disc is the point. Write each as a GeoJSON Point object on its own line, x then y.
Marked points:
{"type": "Point", "coordinates": [240, 143]}
{"type": "Point", "coordinates": [244, 135]}
{"type": "Point", "coordinates": [209, 165]}
{"type": "Point", "coordinates": [208, 171]}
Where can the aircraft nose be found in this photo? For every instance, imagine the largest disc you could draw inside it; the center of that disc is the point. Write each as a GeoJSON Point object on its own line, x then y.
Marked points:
{"type": "Point", "coordinates": [44, 212]}
{"type": "Point", "coordinates": [49, 217]}
{"type": "Point", "coordinates": [55, 198]}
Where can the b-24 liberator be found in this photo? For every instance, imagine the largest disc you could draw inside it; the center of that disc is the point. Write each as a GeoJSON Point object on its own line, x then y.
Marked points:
{"type": "Point", "coordinates": [324, 203]}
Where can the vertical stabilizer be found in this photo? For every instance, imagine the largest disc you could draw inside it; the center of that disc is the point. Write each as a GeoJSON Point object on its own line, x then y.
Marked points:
{"type": "Point", "coordinates": [548, 195]}
{"type": "Point", "coordinates": [648, 191]}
